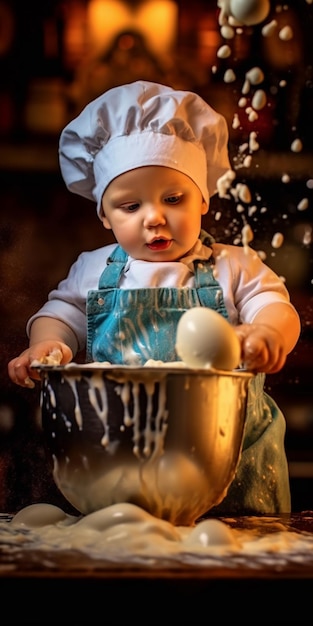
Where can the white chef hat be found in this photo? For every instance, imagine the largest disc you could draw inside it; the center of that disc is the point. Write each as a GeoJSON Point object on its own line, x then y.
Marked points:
{"type": "Point", "coordinates": [143, 123]}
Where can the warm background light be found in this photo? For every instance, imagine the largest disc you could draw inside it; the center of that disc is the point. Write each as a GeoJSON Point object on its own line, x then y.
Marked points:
{"type": "Point", "coordinates": [156, 20]}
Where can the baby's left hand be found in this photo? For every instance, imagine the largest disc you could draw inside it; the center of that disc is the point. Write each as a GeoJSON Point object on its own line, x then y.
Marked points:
{"type": "Point", "coordinates": [262, 348]}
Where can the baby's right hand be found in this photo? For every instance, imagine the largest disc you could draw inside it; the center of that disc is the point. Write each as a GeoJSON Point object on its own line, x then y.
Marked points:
{"type": "Point", "coordinates": [53, 352]}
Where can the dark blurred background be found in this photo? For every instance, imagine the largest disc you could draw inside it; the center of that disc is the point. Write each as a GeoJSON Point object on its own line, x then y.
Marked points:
{"type": "Point", "coordinates": [57, 55]}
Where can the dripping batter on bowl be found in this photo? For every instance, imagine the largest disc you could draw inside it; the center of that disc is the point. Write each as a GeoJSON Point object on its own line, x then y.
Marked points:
{"type": "Point", "coordinates": [150, 157]}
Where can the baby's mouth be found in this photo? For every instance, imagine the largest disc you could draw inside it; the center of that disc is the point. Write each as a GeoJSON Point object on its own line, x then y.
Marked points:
{"type": "Point", "coordinates": [159, 244]}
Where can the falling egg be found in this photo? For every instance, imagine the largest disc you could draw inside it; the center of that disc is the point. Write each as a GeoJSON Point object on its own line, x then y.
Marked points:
{"type": "Point", "coordinates": [205, 339]}
{"type": "Point", "coordinates": [250, 11]}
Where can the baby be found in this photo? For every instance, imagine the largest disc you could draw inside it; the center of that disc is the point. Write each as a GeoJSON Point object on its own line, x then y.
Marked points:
{"type": "Point", "coordinates": [151, 157]}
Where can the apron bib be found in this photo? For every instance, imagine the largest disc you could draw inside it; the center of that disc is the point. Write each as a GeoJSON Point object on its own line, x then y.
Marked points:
{"type": "Point", "coordinates": [130, 326]}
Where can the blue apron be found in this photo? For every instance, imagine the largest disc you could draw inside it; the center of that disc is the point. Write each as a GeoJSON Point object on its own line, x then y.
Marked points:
{"type": "Point", "coordinates": [131, 326]}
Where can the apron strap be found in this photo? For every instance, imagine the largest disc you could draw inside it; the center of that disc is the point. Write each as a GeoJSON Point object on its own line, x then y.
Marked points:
{"type": "Point", "coordinates": [208, 288]}
{"type": "Point", "coordinates": [112, 273]}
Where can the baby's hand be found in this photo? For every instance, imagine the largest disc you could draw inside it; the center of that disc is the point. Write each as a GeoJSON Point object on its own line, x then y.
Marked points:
{"type": "Point", "coordinates": [262, 348]}
{"type": "Point", "coordinates": [51, 352]}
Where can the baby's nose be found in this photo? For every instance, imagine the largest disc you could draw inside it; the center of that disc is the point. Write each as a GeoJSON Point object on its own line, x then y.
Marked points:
{"type": "Point", "coordinates": [154, 215]}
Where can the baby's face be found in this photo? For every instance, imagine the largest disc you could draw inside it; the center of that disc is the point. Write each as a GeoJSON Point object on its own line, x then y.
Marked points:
{"type": "Point", "coordinates": [154, 212]}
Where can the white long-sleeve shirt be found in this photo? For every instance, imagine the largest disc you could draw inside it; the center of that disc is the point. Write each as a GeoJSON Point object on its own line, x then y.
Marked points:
{"type": "Point", "coordinates": [246, 282]}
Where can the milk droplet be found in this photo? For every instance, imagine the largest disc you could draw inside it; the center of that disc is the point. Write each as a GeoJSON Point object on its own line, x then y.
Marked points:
{"type": "Point", "coordinates": [269, 29]}
{"type": "Point", "coordinates": [253, 144]}
{"type": "Point", "coordinates": [307, 237]}
{"type": "Point", "coordinates": [224, 182]}
{"type": "Point", "coordinates": [224, 52]}
{"type": "Point", "coordinates": [262, 255]}
{"type": "Point", "coordinates": [247, 234]}
{"type": "Point", "coordinates": [236, 121]}
{"type": "Point", "coordinates": [246, 87]}
{"type": "Point", "coordinates": [244, 146]}
{"type": "Point", "coordinates": [229, 76]}
{"type": "Point", "coordinates": [259, 100]}
{"type": "Point", "coordinates": [286, 33]}
{"type": "Point", "coordinates": [255, 75]}
{"type": "Point", "coordinates": [296, 145]}
{"type": "Point", "coordinates": [285, 178]}
{"type": "Point", "coordinates": [244, 193]}
{"type": "Point", "coordinates": [309, 183]}
{"type": "Point", "coordinates": [227, 31]}
{"type": "Point", "coordinates": [253, 116]}
{"type": "Point", "coordinates": [247, 160]}
{"type": "Point", "coordinates": [303, 204]}
{"type": "Point", "coordinates": [252, 210]}
{"type": "Point", "coordinates": [277, 240]}
{"type": "Point", "coordinates": [234, 22]}
{"type": "Point", "coordinates": [242, 102]}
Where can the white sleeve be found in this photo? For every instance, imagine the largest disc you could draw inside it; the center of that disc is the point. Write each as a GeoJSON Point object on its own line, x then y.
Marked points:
{"type": "Point", "coordinates": [68, 301]}
{"type": "Point", "coordinates": [247, 283]}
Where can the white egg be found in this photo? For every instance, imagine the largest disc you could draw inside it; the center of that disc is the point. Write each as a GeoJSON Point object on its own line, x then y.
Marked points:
{"type": "Point", "coordinates": [204, 339]}
{"type": "Point", "coordinates": [212, 532]}
{"type": "Point", "coordinates": [250, 11]}
{"type": "Point", "coordinates": [40, 514]}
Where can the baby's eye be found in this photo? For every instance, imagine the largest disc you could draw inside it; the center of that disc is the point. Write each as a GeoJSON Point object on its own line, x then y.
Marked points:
{"type": "Point", "coordinates": [130, 206]}
{"type": "Point", "coordinates": [174, 199]}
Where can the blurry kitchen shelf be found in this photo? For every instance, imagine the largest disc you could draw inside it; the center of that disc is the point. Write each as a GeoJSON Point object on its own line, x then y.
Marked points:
{"type": "Point", "coordinates": [30, 156]}
{"type": "Point", "coordinates": [300, 469]}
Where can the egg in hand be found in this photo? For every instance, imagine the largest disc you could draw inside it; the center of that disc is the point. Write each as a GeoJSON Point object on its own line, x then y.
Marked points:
{"type": "Point", "coordinates": [205, 339]}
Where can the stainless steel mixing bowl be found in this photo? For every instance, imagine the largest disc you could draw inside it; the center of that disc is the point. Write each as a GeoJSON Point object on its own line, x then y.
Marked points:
{"type": "Point", "coordinates": [167, 439]}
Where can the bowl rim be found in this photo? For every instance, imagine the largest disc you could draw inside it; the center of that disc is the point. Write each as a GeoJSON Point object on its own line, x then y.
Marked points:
{"type": "Point", "coordinates": [142, 370]}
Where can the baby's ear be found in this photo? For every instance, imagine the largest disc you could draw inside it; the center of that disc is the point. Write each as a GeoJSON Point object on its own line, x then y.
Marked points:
{"type": "Point", "coordinates": [205, 207]}
{"type": "Point", "coordinates": [105, 221]}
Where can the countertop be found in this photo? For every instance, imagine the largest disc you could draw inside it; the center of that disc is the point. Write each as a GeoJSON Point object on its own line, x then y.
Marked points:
{"type": "Point", "coordinates": [68, 587]}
